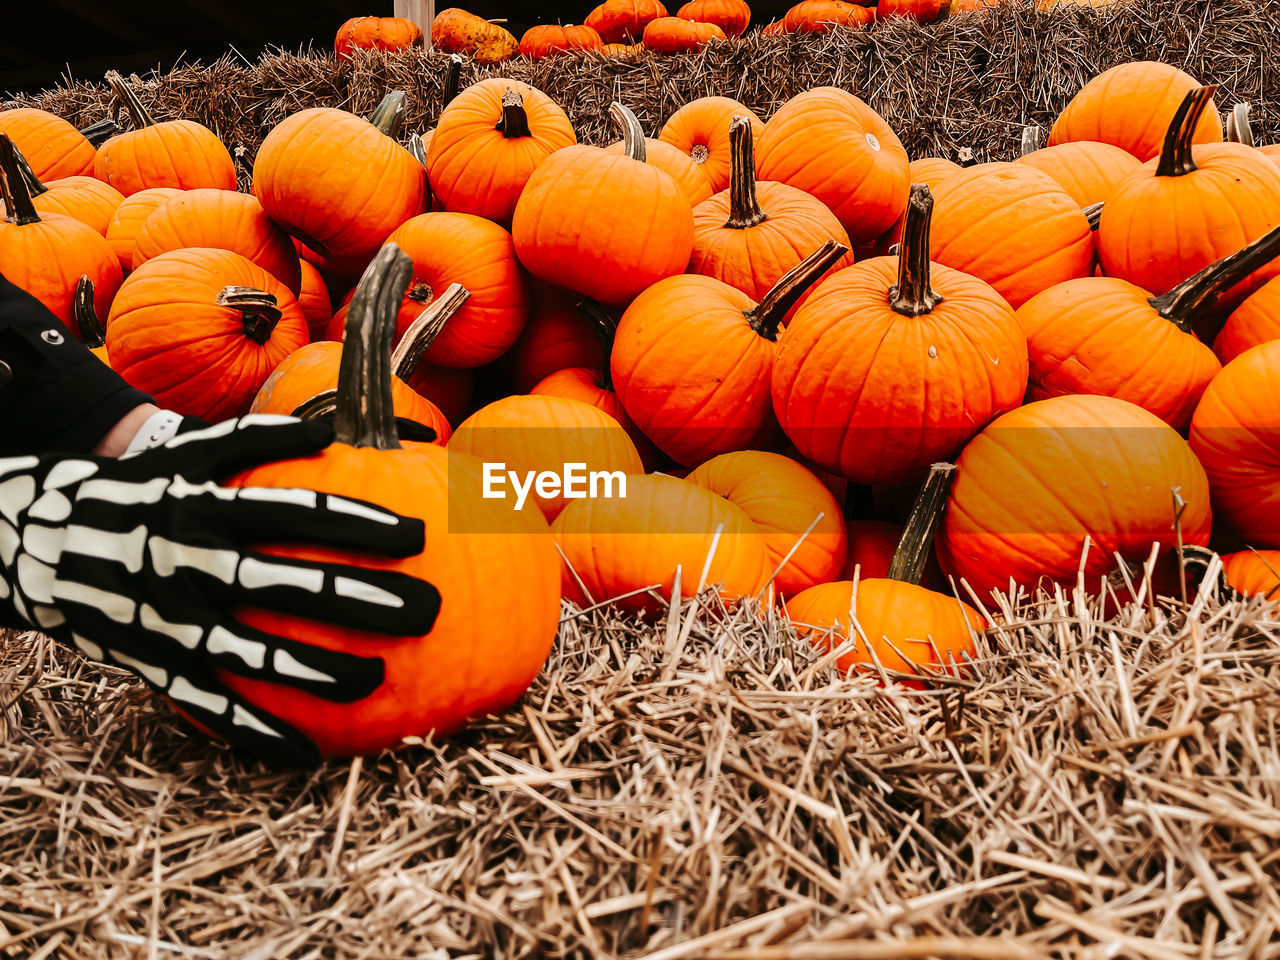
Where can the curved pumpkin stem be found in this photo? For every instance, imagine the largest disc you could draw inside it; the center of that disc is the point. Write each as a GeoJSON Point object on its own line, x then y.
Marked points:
{"type": "Point", "coordinates": [87, 322]}
{"type": "Point", "coordinates": [388, 115]}
{"type": "Point", "coordinates": [1093, 213]}
{"type": "Point", "coordinates": [124, 93]}
{"type": "Point", "coordinates": [452, 79]}
{"type": "Point", "coordinates": [913, 550]}
{"type": "Point", "coordinates": [514, 122]}
{"type": "Point", "coordinates": [744, 207]}
{"type": "Point", "coordinates": [13, 186]}
{"type": "Point", "coordinates": [912, 296]}
{"type": "Point", "coordinates": [1176, 159]}
{"type": "Point", "coordinates": [1181, 304]}
{"type": "Point", "coordinates": [766, 316]}
{"type": "Point", "coordinates": [1032, 139]}
{"type": "Point", "coordinates": [633, 144]}
{"type": "Point", "coordinates": [423, 331]}
{"type": "Point", "coordinates": [1239, 129]}
{"type": "Point", "coordinates": [365, 413]}
{"type": "Point", "coordinates": [100, 131]}
{"type": "Point", "coordinates": [34, 186]}
{"type": "Point", "coordinates": [605, 329]}
{"type": "Point", "coordinates": [418, 149]}
{"type": "Point", "coordinates": [259, 309]}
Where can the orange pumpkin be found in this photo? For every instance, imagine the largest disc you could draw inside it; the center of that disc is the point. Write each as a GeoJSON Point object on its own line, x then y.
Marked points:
{"type": "Point", "coordinates": [750, 235]}
{"type": "Point", "coordinates": [558, 336]}
{"type": "Point", "coordinates": [551, 39]}
{"type": "Point", "coordinates": [376, 33]}
{"type": "Point", "coordinates": [1255, 573]}
{"type": "Point", "coordinates": [830, 144]}
{"type": "Point", "coordinates": [339, 183]}
{"type": "Point", "coordinates": [88, 326]}
{"type": "Point", "coordinates": [872, 544]}
{"type": "Point", "coordinates": [176, 153]}
{"type": "Point", "coordinates": [497, 580]}
{"type": "Point", "coordinates": [201, 329]}
{"type": "Point", "coordinates": [1131, 106]}
{"type": "Point", "coordinates": [1088, 170]}
{"type": "Point", "coordinates": [693, 357]}
{"type": "Point", "coordinates": [701, 129]}
{"type": "Point", "coordinates": [1041, 480]}
{"type": "Point", "coordinates": [925, 11]}
{"type": "Point", "coordinates": [305, 383]}
{"type": "Point", "coordinates": [682, 168]}
{"type": "Point", "coordinates": [673, 35]}
{"type": "Point", "coordinates": [930, 171]}
{"type": "Point", "coordinates": [1012, 226]}
{"type": "Point", "coordinates": [1188, 208]}
{"type": "Point", "coordinates": [1104, 335]}
{"type": "Point", "coordinates": [47, 255]}
{"type": "Point", "coordinates": [222, 219]}
{"type": "Point", "coordinates": [86, 199]}
{"type": "Point", "coordinates": [625, 50]}
{"type": "Point", "coordinates": [731, 16]}
{"type": "Point", "coordinates": [802, 527]}
{"type": "Point", "coordinates": [619, 21]}
{"type": "Point", "coordinates": [626, 549]}
{"type": "Point", "coordinates": [128, 219]}
{"type": "Point", "coordinates": [457, 31]}
{"type": "Point", "coordinates": [313, 300]}
{"type": "Point", "coordinates": [896, 362]}
{"type": "Point", "coordinates": [819, 16]}
{"type": "Point", "coordinates": [52, 146]}
{"type": "Point", "coordinates": [1236, 433]}
{"type": "Point", "coordinates": [533, 435]}
{"type": "Point", "coordinates": [1255, 321]}
{"type": "Point", "coordinates": [489, 141]}
{"type": "Point", "coordinates": [604, 225]}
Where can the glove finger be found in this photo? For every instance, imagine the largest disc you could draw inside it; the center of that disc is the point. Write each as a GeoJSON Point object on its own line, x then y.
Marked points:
{"type": "Point", "coordinates": [235, 445]}
{"type": "Point", "coordinates": [280, 515]}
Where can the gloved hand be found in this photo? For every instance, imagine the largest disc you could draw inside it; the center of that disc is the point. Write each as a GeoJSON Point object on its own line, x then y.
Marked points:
{"type": "Point", "coordinates": [138, 561]}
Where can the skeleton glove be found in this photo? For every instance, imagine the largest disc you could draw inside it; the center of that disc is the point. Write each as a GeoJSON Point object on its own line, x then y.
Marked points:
{"type": "Point", "coordinates": [138, 562]}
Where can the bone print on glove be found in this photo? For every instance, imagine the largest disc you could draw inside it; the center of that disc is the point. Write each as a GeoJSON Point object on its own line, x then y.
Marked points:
{"type": "Point", "coordinates": [138, 562]}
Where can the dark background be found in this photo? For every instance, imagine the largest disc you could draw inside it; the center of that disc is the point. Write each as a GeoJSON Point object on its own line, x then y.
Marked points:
{"type": "Point", "coordinates": [42, 40]}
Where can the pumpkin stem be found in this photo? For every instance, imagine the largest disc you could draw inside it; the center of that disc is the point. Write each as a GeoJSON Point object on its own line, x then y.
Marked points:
{"type": "Point", "coordinates": [766, 316]}
{"type": "Point", "coordinates": [389, 114]}
{"type": "Point", "coordinates": [420, 334]}
{"type": "Point", "coordinates": [100, 131]}
{"type": "Point", "coordinates": [916, 544]}
{"type": "Point", "coordinates": [1032, 139]}
{"type": "Point", "coordinates": [452, 78]}
{"type": "Point", "coordinates": [605, 329]}
{"type": "Point", "coordinates": [633, 144]}
{"type": "Point", "coordinates": [259, 309]}
{"type": "Point", "coordinates": [13, 186]}
{"type": "Point", "coordinates": [365, 413]}
{"type": "Point", "coordinates": [87, 322]}
{"type": "Point", "coordinates": [514, 122]}
{"type": "Point", "coordinates": [1181, 304]}
{"type": "Point", "coordinates": [1239, 129]}
{"type": "Point", "coordinates": [744, 208]}
{"type": "Point", "coordinates": [912, 296]}
{"type": "Point", "coordinates": [1176, 159]}
{"type": "Point", "coordinates": [1093, 213]}
{"type": "Point", "coordinates": [418, 149]}
{"type": "Point", "coordinates": [34, 186]}
{"type": "Point", "coordinates": [124, 94]}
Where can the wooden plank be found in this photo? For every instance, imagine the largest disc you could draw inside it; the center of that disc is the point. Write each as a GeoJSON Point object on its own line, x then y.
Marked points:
{"type": "Point", "coordinates": [421, 12]}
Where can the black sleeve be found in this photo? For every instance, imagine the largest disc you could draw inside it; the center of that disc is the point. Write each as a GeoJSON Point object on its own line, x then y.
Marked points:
{"type": "Point", "coordinates": [55, 396]}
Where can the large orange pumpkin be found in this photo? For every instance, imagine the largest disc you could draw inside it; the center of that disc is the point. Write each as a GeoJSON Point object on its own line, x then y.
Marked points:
{"type": "Point", "coordinates": [1041, 480]}
{"type": "Point", "coordinates": [47, 255]}
{"type": "Point", "coordinates": [534, 435]}
{"type": "Point", "coordinates": [339, 183]}
{"type": "Point", "coordinates": [1254, 572]}
{"type": "Point", "coordinates": [201, 329]}
{"type": "Point", "coordinates": [128, 220]}
{"type": "Point", "coordinates": [830, 144]}
{"type": "Point", "coordinates": [86, 199]}
{"type": "Point", "coordinates": [1131, 106]}
{"type": "Point", "coordinates": [693, 358]}
{"type": "Point", "coordinates": [223, 219]}
{"type": "Point", "coordinates": [673, 35]}
{"type": "Point", "coordinates": [1236, 433]}
{"type": "Point", "coordinates": [620, 548]}
{"type": "Point", "coordinates": [731, 16]}
{"type": "Point", "coordinates": [607, 226]}
{"type": "Point", "coordinates": [176, 153]}
{"type": "Point", "coordinates": [1188, 208]}
{"type": "Point", "coordinates": [457, 31]}
{"type": "Point", "coordinates": [750, 235]}
{"type": "Point", "coordinates": [701, 129]}
{"type": "Point", "coordinates": [819, 16]}
{"type": "Point", "coordinates": [1103, 335]}
{"type": "Point", "coordinates": [499, 590]}
{"type": "Point", "coordinates": [896, 362]}
{"type": "Point", "coordinates": [489, 141]}
{"type": "Point", "coordinates": [52, 146]}
{"type": "Point", "coordinates": [551, 39]}
{"type": "Point", "coordinates": [1088, 170]}
{"type": "Point", "coordinates": [691, 176]}
{"type": "Point", "coordinates": [803, 530]}
{"type": "Point", "coordinates": [619, 21]}
{"type": "Point", "coordinates": [1255, 321]}
{"type": "Point", "coordinates": [376, 33]}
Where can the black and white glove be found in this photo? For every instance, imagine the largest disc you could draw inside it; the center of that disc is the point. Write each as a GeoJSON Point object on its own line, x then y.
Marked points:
{"type": "Point", "coordinates": [138, 561]}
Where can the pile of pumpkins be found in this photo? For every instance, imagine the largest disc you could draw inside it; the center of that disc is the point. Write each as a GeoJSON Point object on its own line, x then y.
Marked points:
{"type": "Point", "coordinates": [622, 28]}
{"type": "Point", "coordinates": [870, 390]}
